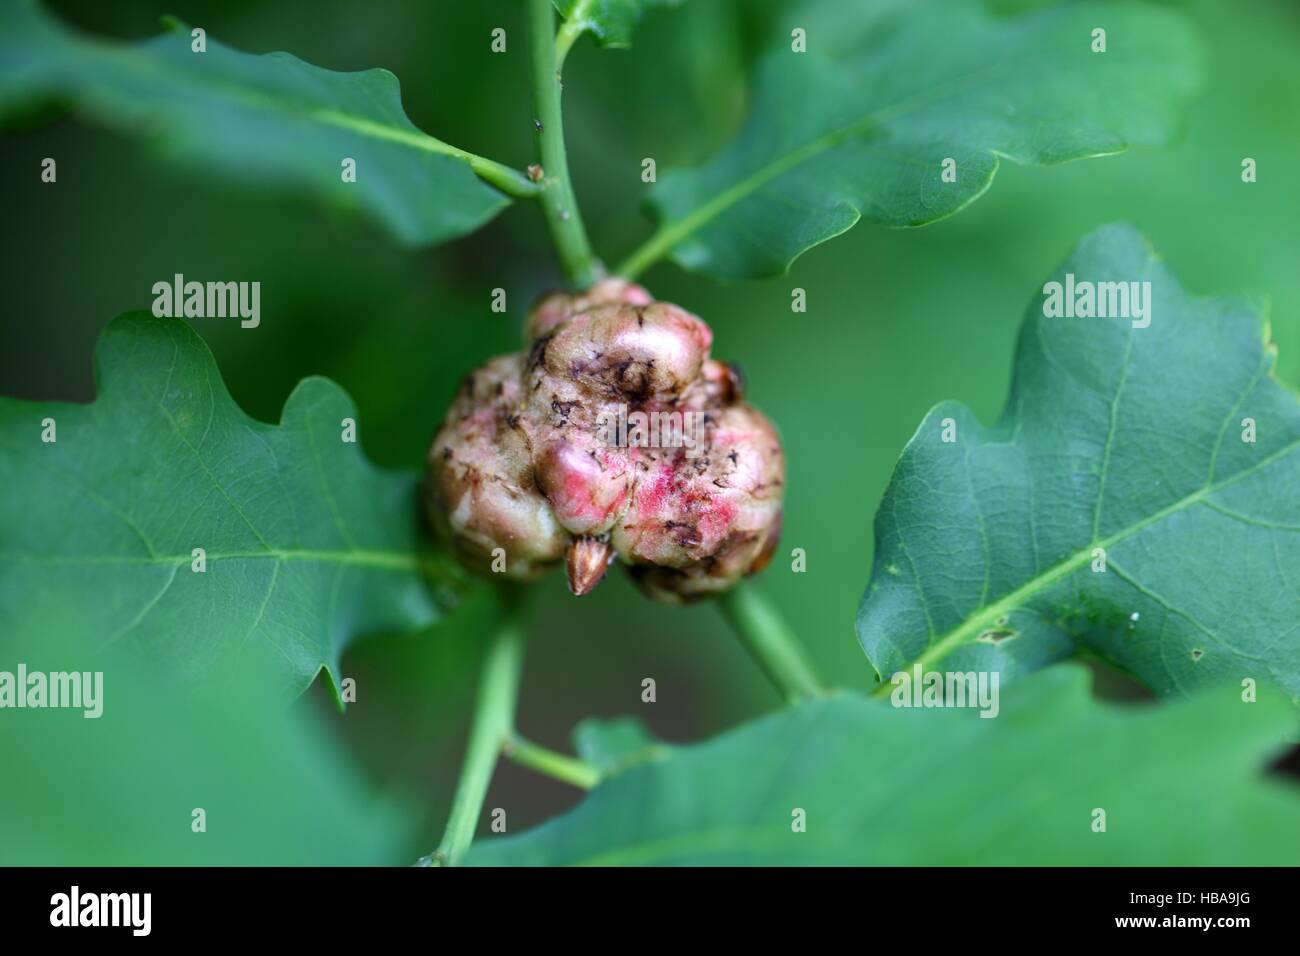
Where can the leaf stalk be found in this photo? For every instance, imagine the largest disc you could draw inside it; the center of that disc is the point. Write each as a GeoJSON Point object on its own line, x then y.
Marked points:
{"type": "Point", "coordinates": [561, 767]}
{"type": "Point", "coordinates": [570, 30]}
{"type": "Point", "coordinates": [770, 641]}
{"type": "Point", "coordinates": [510, 181]}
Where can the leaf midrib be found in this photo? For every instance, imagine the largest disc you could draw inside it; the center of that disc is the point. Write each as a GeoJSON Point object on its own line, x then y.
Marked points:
{"type": "Point", "coordinates": [413, 137]}
{"type": "Point", "coordinates": [674, 232]}
{"type": "Point", "coordinates": [387, 560]}
{"type": "Point", "coordinates": [1021, 596]}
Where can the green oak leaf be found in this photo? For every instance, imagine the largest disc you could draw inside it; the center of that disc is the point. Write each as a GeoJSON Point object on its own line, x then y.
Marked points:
{"type": "Point", "coordinates": [122, 788]}
{"type": "Point", "coordinates": [613, 745]}
{"type": "Point", "coordinates": [307, 545]}
{"type": "Point", "coordinates": [1180, 785]}
{"type": "Point", "coordinates": [610, 21]}
{"type": "Point", "coordinates": [861, 124]}
{"type": "Point", "coordinates": [1116, 508]}
{"type": "Point", "coordinates": [266, 119]}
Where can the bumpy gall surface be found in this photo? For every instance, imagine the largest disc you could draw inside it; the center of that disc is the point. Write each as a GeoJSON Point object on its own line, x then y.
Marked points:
{"type": "Point", "coordinates": [531, 459]}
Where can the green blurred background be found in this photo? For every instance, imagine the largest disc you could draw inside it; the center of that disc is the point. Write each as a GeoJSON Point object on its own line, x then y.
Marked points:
{"type": "Point", "coordinates": [896, 320]}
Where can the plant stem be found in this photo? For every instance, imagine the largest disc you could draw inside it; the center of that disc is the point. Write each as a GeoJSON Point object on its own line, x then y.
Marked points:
{"type": "Point", "coordinates": [492, 724]}
{"type": "Point", "coordinates": [558, 201]}
{"type": "Point", "coordinates": [770, 641]}
{"type": "Point", "coordinates": [562, 767]}
{"type": "Point", "coordinates": [573, 26]}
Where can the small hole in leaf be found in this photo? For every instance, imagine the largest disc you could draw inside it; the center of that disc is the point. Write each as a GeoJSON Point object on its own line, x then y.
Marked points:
{"type": "Point", "coordinates": [1197, 653]}
{"type": "Point", "coordinates": [996, 635]}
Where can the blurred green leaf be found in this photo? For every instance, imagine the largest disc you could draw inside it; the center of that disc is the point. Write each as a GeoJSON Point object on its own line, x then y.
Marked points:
{"type": "Point", "coordinates": [862, 123]}
{"type": "Point", "coordinates": [307, 545]}
{"type": "Point", "coordinates": [1116, 437]}
{"type": "Point", "coordinates": [613, 745]}
{"type": "Point", "coordinates": [1180, 785]}
{"type": "Point", "coordinates": [269, 118]}
{"type": "Point", "coordinates": [122, 789]}
{"type": "Point", "coordinates": [610, 21]}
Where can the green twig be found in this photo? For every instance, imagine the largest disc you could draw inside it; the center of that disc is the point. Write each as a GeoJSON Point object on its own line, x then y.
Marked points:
{"type": "Point", "coordinates": [770, 641]}
{"type": "Point", "coordinates": [562, 767]}
{"type": "Point", "coordinates": [573, 26]}
{"type": "Point", "coordinates": [558, 201]}
{"type": "Point", "coordinates": [492, 723]}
